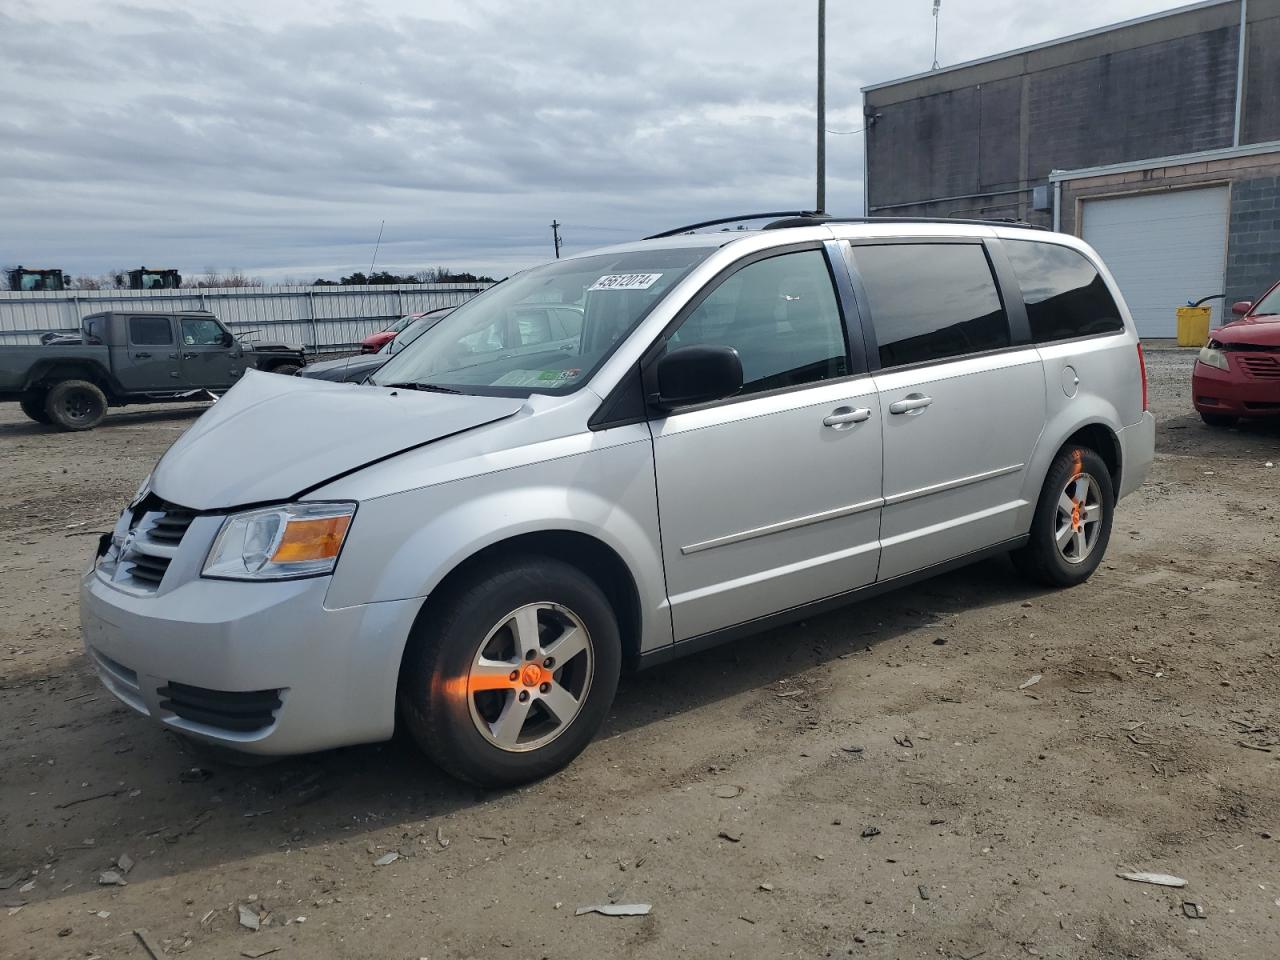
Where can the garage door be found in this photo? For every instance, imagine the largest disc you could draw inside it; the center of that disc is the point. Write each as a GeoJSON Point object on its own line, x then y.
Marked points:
{"type": "Point", "coordinates": [1164, 249]}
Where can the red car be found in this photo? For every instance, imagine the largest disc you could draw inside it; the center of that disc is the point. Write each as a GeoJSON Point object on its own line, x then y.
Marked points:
{"type": "Point", "coordinates": [1238, 371]}
{"type": "Point", "coordinates": [376, 341]}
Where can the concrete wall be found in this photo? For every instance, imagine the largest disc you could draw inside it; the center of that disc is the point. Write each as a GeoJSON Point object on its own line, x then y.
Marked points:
{"type": "Point", "coordinates": [987, 133]}
{"type": "Point", "coordinates": [1253, 240]}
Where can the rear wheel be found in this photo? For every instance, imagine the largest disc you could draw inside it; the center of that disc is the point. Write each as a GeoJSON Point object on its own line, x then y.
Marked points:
{"type": "Point", "coordinates": [510, 677]}
{"type": "Point", "coordinates": [1072, 523]}
{"type": "Point", "coordinates": [75, 405]}
{"type": "Point", "coordinates": [32, 404]}
{"type": "Point", "coordinates": [1219, 419]}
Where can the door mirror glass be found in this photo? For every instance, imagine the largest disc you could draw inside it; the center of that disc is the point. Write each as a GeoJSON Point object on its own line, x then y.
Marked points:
{"type": "Point", "coordinates": [697, 374]}
{"type": "Point", "coordinates": [1241, 307]}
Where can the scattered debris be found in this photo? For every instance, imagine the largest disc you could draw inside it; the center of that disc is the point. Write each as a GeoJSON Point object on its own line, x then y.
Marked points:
{"type": "Point", "coordinates": [936, 822]}
{"type": "Point", "coordinates": [110, 878]}
{"type": "Point", "coordinates": [1192, 910]}
{"type": "Point", "coordinates": [27, 887]}
{"type": "Point", "coordinates": [731, 835]}
{"type": "Point", "coordinates": [871, 831]}
{"type": "Point", "coordinates": [441, 838]}
{"type": "Point", "coordinates": [11, 879]}
{"type": "Point", "coordinates": [147, 945]}
{"type": "Point", "coordinates": [249, 917]}
{"type": "Point", "coordinates": [940, 641]}
{"type": "Point", "coordinates": [727, 791]}
{"type": "Point", "coordinates": [903, 741]}
{"type": "Point", "coordinates": [101, 914]}
{"type": "Point", "coordinates": [1253, 746]}
{"type": "Point", "coordinates": [255, 954]}
{"type": "Point", "coordinates": [1030, 681]}
{"type": "Point", "coordinates": [1160, 879]}
{"type": "Point", "coordinates": [96, 796]}
{"type": "Point", "coordinates": [789, 693]}
{"type": "Point", "coordinates": [924, 891]}
{"type": "Point", "coordinates": [195, 775]}
{"type": "Point", "coordinates": [767, 887]}
{"type": "Point", "coordinates": [616, 909]}
{"type": "Point", "coordinates": [852, 749]}
{"type": "Point", "coordinates": [124, 862]}
{"type": "Point", "coordinates": [386, 858]}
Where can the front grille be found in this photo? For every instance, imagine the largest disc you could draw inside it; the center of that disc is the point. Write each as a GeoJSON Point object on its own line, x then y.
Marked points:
{"type": "Point", "coordinates": [157, 530]}
{"type": "Point", "coordinates": [1263, 366]}
{"type": "Point", "coordinates": [241, 712]}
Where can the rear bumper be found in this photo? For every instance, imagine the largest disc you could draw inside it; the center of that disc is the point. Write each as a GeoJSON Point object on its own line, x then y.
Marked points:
{"type": "Point", "coordinates": [1230, 393]}
{"type": "Point", "coordinates": [1137, 450]}
{"type": "Point", "coordinates": [257, 667]}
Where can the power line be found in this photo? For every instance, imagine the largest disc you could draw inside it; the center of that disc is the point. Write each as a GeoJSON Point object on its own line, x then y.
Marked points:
{"type": "Point", "coordinates": [846, 133]}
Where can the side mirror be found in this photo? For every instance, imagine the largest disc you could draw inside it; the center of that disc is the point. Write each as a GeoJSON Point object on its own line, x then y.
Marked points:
{"type": "Point", "coordinates": [696, 374]}
{"type": "Point", "coordinates": [1241, 307]}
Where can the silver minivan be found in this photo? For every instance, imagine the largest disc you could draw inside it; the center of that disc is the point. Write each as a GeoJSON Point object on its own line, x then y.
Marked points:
{"type": "Point", "coordinates": [749, 427]}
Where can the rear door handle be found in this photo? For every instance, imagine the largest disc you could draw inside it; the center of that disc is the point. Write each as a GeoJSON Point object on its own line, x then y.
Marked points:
{"type": "Point", "coordinates": [843, 417]}
{"type": "Point", "coordinates": [910, 403]}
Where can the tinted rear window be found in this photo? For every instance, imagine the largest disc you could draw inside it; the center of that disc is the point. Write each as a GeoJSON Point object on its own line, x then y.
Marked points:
{"type": "Point", "coordinates": [1065, 295]}
{"type": "Point", "coordinates": [150, 331]}
{"type": "Point", "coordinates": [931, 301]}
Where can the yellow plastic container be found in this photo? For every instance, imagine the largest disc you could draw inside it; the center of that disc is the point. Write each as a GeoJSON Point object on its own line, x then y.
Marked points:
{"type": "Point", "coordinates": [1193, 326]}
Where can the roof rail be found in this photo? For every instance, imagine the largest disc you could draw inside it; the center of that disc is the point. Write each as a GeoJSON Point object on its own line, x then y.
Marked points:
{"type": "Point", "coordinates": [809, 218]}
{"type": "Point", "coordinates": [689, 228]}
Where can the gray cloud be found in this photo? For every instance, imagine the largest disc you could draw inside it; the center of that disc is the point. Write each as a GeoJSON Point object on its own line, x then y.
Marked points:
{"type": "Point", "coordinates": [276, 139]}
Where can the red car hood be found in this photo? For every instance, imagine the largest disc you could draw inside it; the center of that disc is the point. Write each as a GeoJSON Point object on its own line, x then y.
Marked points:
{"type": "Point", "coordinates": [1263, 331]}
{"type": "Point", "coordinates": [376, 340]}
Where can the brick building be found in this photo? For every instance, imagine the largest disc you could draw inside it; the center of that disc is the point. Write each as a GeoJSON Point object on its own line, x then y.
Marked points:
{"type": "Point", "coordinates": [1157, 140]}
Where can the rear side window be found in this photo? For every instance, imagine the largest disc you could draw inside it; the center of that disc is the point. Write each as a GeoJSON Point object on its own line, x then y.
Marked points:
{"type": "Point", "coordinates": [93, 329]}
{"type": "Point", "coordinates": [150, 331]}
{"type": "Point", "coordinates": [931, 301]}
{"type": "Point", "coordinates": [1065, 295]}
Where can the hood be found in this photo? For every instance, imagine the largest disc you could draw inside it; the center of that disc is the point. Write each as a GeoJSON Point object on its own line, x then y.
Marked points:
{"type": "Point", "coordinates": [271, 438]}
{"type": "Point", "coordinates": [355, 367]}
{"type": "Point", "coordinates": [1262, 330]}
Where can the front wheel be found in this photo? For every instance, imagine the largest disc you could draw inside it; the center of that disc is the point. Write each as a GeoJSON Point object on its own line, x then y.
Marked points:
{"type": "Point", "coordinates": [1072, 523]}
{"type": "Point", "coordinates": [511, 675]}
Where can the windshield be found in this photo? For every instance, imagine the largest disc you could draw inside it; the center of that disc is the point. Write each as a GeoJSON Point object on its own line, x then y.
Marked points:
{"type": "Point", "coordinates": [1268, 305]}
{"type": "Point", "coordinates": [546, 330]}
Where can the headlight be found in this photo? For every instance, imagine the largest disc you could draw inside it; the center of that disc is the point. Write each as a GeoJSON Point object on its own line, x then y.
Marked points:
{"type": "Point", "coordinates": [280, 543]}
{"type": "Point", "coordinates": [1213, 357]}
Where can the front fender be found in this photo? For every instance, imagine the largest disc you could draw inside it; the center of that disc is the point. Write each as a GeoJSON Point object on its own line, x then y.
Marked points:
{"type": "Point", "coordinates": [403, 545]}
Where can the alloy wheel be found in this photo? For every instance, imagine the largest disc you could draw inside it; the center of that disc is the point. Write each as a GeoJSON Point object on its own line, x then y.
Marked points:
{"type": "Point", "coordinates": [1078, 519]}
{"type": "Point", "coordinates": [530, 677]}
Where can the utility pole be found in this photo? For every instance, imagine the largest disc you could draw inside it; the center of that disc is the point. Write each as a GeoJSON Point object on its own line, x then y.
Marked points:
{"type": "Point", "coordinates": [555, 236]}
{"type": "Point", "coordinates": [821, 206]}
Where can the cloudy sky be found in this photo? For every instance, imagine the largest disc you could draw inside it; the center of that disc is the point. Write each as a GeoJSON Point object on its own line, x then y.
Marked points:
{"type": "Point", "coordinates": [274, 135]}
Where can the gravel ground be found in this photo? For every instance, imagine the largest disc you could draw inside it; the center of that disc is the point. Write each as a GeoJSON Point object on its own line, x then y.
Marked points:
{"type": "Point", "coordinates": [876, 782]}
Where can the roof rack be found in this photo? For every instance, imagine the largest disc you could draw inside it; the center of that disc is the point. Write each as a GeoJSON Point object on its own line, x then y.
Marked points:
{"type": "Point", "coordinates": [808, 218]}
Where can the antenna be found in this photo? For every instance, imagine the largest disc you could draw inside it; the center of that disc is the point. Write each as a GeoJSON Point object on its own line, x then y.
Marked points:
{"type": "Point", "coordinates": [937, 6]}
{"type": "Point", "coordinates": [381, 224]}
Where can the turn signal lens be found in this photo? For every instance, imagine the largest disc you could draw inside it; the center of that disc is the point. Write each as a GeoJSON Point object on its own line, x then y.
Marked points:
{"type": "Point", "coordinates": [311, 540]}
{"type": "Point", "coordinates": [280, 543]}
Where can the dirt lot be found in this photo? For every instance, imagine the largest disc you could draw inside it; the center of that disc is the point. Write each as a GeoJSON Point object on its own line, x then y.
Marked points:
{"type": "Point", "coordinates": [877, 782]}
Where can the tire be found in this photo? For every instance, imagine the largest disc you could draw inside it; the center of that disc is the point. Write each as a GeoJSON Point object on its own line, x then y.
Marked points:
{"type": "Point", "coordinates": [286, 369]}
{"type": "Point", "coordinates": [32, 404]}
{"type": "Point", "coordinates": [75, 405]}
{"type": "Point", "coordinates": [1219, 419]}
{"type": "Point", "coordinates": [1077, 476]}
{"type": "Point", "coordinates": [454, 708]}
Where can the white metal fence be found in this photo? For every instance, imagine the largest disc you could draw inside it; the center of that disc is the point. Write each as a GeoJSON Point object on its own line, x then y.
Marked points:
{"type": "Point", "coordinates": [324, 319]}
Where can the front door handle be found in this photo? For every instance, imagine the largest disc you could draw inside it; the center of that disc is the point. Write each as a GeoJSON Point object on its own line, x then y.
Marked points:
{"type": "Point", "coordinates": [910, 404]}
{"type": "Point", "coordinates": [843, 417]}
{"type": "Point", "coordinates": [188, 356]}
{"type": "Point", "coordinates": [142, 356]}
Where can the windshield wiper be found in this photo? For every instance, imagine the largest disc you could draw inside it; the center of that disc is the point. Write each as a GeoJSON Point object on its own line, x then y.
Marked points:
{"type": "Point", "coordinates": [426, 387]}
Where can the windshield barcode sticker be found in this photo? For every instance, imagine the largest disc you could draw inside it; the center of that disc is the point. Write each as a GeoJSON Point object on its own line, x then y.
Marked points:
{"type": "Point", "coordinates": [626, 281]}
